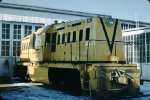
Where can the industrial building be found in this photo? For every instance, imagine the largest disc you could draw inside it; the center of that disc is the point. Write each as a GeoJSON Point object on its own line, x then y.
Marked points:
{"type": "Point", "coordinates": [17, 21]}
{"type": "Point", "coordinates": [137, 49]}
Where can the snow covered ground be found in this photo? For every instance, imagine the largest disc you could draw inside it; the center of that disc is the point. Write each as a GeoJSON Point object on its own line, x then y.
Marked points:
{"type": "Point", "coordinates": [36, 91]}
{"type": "Point", "coordinates": [32, 91]}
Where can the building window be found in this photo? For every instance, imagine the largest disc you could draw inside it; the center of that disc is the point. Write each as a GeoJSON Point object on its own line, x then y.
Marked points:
{"type": "Point", "coordinates": [16, 48]}
{"type": "Point", "coordinates": [5, 48]}
{"type": "Point", "coordinates": [126, 25]}
{"type": "Point", "coordinates": [87, 34]}
{"type": "Point", "coordinates": [133, 26]}
{"type": "Point", "coordinates": [37, 27]}
{"type": "Point", "coordinates": [129, 49]}
{"type": "Point", "coordinates": [136, 47]}
{"type": "Point", "coordinates": [17, 32]}
{"type": "Point", "coordinates": [5, 31]}
{"type": "Point", "coordinates": [142, 48]}
{"type": "Point", "coordinates": [148, 46]}
{"type": "Point", "coordinates": [28, 30]}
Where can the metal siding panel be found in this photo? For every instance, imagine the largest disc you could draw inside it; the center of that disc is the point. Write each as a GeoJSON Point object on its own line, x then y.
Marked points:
{"type": "Point", "coordinates": [145, 71]}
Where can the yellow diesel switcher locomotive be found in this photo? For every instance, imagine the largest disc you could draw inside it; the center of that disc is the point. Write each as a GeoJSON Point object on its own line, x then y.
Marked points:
{"type": "Point", "coordinates": [84, 56]}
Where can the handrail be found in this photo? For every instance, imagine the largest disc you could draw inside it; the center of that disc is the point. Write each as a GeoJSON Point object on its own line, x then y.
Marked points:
{"type": "Point", "coordinates": [88, 51]}
{"type": "Point", "coordinates": [71, 50]}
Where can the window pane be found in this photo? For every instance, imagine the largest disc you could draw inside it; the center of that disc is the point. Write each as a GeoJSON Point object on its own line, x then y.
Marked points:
{"type": "Point", "coordinates": [30, 27]}
{"type": "Point", "coordinates": [5, 31]}
{"type": "Point", "coordinates": [80, 35]}
{"type": "Point", "coordinates": [7, 25]}
{"type": "Point", "coordinates": [3, 53]}
{"type": "Point", "coordinates": [37, 27]}
{"type": "Point", "coordinates": [15, 26]}
{"type": "Point", "coordinates": [68, 37]}
{"type": "Point", "coordinates": [63, 38]}
{"type": "Point", "coordinates": [3, 25]}
{"type": "Point", "coordinates": [28, 30]}
{"type": "Point", "coordinates": [19, 26]}
{"type": "Point", "coordinates": [74, 36]}
{"type": "Point", "coordinates": [7, 42]}
{"type": "Point", "coordinates": [7, 53]}
{"type": "Point", "coordinates": [17, 32]}
{"type": "Point", "coordinates": [19, 36]}
{"type": "Point", "coordinates": [3, 36]}
{"type": "Point", "coordinates": [87, 34]}
{"type": "Point", "coordinates": [16, 48]}
{"type": "Point", "coordinates": [5, 48]}
{"type": "Point", "coordinates": [58, 40]}
{"type": "Point", "coordinates": [53, 49]}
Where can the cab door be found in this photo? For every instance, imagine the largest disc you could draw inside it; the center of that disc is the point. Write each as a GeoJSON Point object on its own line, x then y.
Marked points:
{"type": "Point", "coordinates": [53, 47]}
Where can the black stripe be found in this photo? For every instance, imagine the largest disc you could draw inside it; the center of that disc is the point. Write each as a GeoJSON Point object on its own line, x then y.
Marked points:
{"type": "Point", "coordinates": [106, 34]}
{"type": "Point", "coordinates": [114, 35]}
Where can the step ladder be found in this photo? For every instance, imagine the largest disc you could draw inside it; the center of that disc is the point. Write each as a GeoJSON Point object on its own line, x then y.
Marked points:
{"type": "Point", "coordinates": [86, 84]}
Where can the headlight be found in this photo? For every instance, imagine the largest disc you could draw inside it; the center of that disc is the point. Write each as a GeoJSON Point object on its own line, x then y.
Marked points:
{"type": "Point", "coordinates": [110, 21]}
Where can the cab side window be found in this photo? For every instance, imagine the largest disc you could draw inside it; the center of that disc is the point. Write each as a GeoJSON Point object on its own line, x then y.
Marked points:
{"type": "Point", "coordinates": [53, 49]}
{"type": "Point", "coordinates": [47, 40]}
{"type": "Point", "coordinates": [68, 37]}
{"type": "Point", "coordinates": [58, 40]}
{"type": "Point", "coordinates": [87, 34]}
{"type": "Point", "coordinates": [80, 35]}
{"type": "Point", "coordinates": [63, 38]}
{"type": "Point", "coordinates": [74, 36]}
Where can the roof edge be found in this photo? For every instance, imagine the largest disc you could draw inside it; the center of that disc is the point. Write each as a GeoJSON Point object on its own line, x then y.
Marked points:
{"type": "Point", "coordinates": [51, 10]}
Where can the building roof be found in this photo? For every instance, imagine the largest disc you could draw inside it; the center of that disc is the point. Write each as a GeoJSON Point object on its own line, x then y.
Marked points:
{"type": "Point", "coordinates": [136, 29]}
{"type": "Point", "coordinates": [134, 21]}
{"type": "Point", "coordinates": [48, 10]}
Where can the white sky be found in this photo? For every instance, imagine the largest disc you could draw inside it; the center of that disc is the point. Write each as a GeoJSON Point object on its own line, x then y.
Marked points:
{"type": "Point", "coordinates": [123, 9]}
